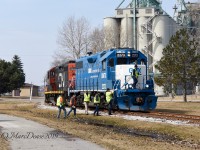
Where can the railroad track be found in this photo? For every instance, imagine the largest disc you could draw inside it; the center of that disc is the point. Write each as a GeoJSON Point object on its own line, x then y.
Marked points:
{"type": "Point", "coordinates": [171, 116]}
{"type": "Point", "coordinates": [193, 119]}
{"type": "Point", "coordinates": [190, 118]}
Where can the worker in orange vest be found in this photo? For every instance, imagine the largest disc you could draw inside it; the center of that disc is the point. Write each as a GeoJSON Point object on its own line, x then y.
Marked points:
{"type": "Point", "coordinates": [72, 105]}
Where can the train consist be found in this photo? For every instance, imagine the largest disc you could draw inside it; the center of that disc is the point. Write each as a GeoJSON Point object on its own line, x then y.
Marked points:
{"type": "Point", "coordinates": [107, 69]}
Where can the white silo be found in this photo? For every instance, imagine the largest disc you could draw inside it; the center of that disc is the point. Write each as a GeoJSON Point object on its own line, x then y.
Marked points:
{"type": "Point", "coordinates": [163, 27]}
{"type": "Point", "coordinates": [126, 32]}
{"type": "Point", "coordinates": [111, 29]}
{"type": "Point", "coordinates": [142, 41]}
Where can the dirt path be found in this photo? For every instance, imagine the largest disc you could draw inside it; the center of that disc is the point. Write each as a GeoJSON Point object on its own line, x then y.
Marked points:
{"type": "Point", "coordinates": [25, 134]}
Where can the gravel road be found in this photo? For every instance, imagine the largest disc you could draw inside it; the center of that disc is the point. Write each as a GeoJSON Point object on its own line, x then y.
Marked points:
{"type": "Point", "coordinates": [24, 134]}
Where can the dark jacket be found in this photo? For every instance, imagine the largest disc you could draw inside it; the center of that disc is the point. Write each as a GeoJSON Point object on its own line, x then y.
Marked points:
{"type": "Point", "coordinates": [73, 101]}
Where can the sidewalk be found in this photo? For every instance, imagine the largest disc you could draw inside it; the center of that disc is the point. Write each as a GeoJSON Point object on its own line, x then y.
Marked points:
{"type": "Point", "coordinates": [25, 134]}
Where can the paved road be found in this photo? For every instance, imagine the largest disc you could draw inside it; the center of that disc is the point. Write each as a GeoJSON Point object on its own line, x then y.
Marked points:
{"type": "Point", "coordinates": [25, 134]}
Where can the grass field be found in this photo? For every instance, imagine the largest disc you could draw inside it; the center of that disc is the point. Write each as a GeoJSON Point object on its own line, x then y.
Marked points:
{"type": "Point", "coordinates": [4, 145]}
{"type": "Point", "coordinates": [116, 133]}
{"type": "Point", "coordinates": [189, 108]}
{"type": "Point", "coordinates": [195, 97]}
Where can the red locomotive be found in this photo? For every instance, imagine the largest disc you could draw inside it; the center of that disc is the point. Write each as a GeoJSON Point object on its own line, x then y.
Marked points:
{"type": "Point", "coordinates": [58, 80]}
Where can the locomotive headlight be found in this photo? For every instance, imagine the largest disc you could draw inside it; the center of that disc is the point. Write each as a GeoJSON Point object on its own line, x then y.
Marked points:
{"type": "Point", "coordinates": [139, 100]}
{"type": "Point", "coordinates": [147, 86]}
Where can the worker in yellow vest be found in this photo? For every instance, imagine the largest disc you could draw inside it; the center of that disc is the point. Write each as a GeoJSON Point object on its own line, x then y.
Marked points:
{"type": "Point", "coordinates": [134, 75]}
{"type": "Point", "coordinates": [109, 100]}
{"type": "Point", "coordinates": [96, 103]}
{"type": "Point", "coordinates": [61, 105]}
{"type": "Point", "coordinates": [86, 101]}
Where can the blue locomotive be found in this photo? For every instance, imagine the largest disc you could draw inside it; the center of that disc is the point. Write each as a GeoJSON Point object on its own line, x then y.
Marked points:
{"type": "Point", "coordinates": [112, 69]}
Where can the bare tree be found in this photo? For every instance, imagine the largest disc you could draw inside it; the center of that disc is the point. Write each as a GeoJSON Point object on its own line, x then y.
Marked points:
{"type": "Point", "coordinates": [60, 57]}
{"type": "Point", "coordinates": [97, 40]}
{"type": "Point", "coordinates": [73, 37]}
{"type": "Point", "coordinates": [126, 38]}
{"type": "Point", "coordinates": [111, 37]}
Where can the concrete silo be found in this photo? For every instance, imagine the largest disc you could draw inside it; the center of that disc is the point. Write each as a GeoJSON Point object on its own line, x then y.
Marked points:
{"type": "Point", "coordinates": [126, 32]}
{"type": "Point", "coordinates": [164, 27]}
{"type": "Point", "coordinates": [142, 41]}
{"type": "Point", "coordinates": [112, 34]}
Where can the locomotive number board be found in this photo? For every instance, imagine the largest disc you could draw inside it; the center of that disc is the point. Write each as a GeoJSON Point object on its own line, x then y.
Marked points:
{"type": "Point", "coordinates": [121, 55]}
{"type": "Point", "coordinates": [133, 55]}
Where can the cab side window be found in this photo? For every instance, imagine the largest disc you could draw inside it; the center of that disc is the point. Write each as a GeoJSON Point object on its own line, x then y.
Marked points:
{"type": "Point", "coordinates": [111, 62]}
{"type": "Point", "coordinates": [104, 64]}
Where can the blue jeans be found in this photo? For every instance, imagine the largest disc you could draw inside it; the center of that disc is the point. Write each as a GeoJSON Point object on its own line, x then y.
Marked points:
{"type": "Point", "coordinates": [96, 111]}
{"type": "Point", "coordinates": [71, 111]}
{"type": "Point", "coordinates": [59, 111]}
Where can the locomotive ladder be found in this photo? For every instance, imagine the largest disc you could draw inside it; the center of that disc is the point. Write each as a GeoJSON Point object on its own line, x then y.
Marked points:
{"type": "Point", "coordinates": [116, 84]}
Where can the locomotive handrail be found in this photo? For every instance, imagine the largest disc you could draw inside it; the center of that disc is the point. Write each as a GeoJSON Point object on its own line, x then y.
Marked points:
{"type": "Point", "coordinates": [141, 85]}
{"type": "Point", "coordinates": [126, 81]}
{"type": "Point", "coordinates": [149, 81]}
{"type": "Point", "coordinates": [117, 84]}
{"type": "Point", "coordinates": [55, 92]}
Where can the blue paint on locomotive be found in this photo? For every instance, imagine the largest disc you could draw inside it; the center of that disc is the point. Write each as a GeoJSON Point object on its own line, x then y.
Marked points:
{"type": "Point", "coordinates": [98, 72]}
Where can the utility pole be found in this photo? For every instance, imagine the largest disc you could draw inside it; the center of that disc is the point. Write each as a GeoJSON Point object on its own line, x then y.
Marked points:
{"type": "Point", "coordinates": [134, 24]}
{"type": "Point", "coordinates": [31, 91]}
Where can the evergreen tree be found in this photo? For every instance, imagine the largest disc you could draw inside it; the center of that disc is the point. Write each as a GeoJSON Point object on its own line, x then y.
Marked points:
{"type": "Point", "coordinates": [11, 75]}
{"type": "Point", "coordinates": [17, 79]}
{"type": "Point", "coordinates": [180, 63]}
{"type": "Point", "coordinates": [4, 76]}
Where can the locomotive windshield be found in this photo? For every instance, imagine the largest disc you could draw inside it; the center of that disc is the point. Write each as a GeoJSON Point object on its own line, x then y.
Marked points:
{"type": "Point", "coordinates": [52, 74]}
{"type": "Point", "coordinates": [121, 61]}
{"type": "Point", "coordinates": [132, 60]}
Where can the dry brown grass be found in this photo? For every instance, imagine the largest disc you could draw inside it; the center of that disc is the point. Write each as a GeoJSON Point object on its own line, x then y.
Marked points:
{"type": "Point", "coordinates": [189, 108]}
{"type": "Point", "coordinates": [107, 134]}
{"type": "Point", "coordinates": [195, 97]}
{"type": "Point", "coordinates": [4, 145]}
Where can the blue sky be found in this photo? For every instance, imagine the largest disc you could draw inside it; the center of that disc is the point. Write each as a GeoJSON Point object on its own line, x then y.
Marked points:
{"type": "Point", "coordinates": [28, 28]}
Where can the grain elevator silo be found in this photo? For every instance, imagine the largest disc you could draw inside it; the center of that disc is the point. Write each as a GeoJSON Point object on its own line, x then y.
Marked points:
{"type": "Point", "coordinates": [143, 25]}
{"type": "Point", "coordinates": [126, 32]}
{"type": "Point", "coordinates": [163, 27]}
{"type": "Point", "coordinates": [111, 27]}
